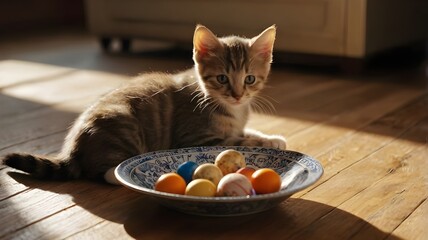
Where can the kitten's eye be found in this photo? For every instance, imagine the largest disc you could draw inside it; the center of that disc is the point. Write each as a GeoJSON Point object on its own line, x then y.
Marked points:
{"type": "Point", "coordinates": [250, 79]}
{"type": "Point", "coordinates": [223, 79]}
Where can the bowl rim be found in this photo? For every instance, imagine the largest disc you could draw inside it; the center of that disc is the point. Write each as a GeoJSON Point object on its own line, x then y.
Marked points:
{"type": "Point", "coordinates": [283, 193]}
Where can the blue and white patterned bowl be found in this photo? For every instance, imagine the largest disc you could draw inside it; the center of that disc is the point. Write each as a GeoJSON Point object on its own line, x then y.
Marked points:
{"type": "Point", "coordinates": [297, 171]}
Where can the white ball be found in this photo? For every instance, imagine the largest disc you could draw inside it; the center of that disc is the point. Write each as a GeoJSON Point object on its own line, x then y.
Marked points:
{"type": "Point", "coordinates": [234, 184]}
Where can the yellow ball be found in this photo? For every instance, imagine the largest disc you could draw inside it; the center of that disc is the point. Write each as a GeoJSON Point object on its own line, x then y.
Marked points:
{"type": "Point", "coordinates": [201, 188]}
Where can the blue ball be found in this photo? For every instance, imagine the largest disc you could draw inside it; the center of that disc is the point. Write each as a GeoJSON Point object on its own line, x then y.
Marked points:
{"type": "Point", "coordinates": [186, 169]}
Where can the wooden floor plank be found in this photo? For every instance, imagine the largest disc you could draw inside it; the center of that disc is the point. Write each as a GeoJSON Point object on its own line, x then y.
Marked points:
{"type": "Point", "coordinates": [77, 84]}
{"type": "Point", "coordinates": [384, 204]}
{"type": "Point", "coordinates": [321, 137]}
{"type": "Point", "coordinates": [15, 72]}
{"type": "Point", "coordinates": [29, 207]}
{"type": "Point", "coordinates": [317, 102]}
{"type": "Point", "coordinates": [345, 185]}
{"type": "Point", "coordinates": [105, 230]}
{"type": "Point", "coordinates": [299, 86]}
{"type": "Point", "coordinates": [370, 139]}
{"type": "Point", "coordinates": [55, 110]}
{"type": "Point", "coordinates": [39, 123]}
{"type": "Point", "coordinates": [91, 210]}
{"type": "Point", "coordinates": [292, 121]}
{"type": "Point", "coordinates": [56, 118]}
{"type": "Point", "coordinates": [375, 166]}
{"type": "Point", "coordinates": [351, 181]}
{"type": "Point", "coordinates": [414, 227]}
{"type": "Point", "coordinates": [295, 115]}
{"type": "Point", "coordinates": [32, 96]}
{"type": "Point", "coordinates": [47, 144]}
{"type": "Point", "coordinates": [45, 199]}
{"type": "Point", "coordinates": [57, 228]}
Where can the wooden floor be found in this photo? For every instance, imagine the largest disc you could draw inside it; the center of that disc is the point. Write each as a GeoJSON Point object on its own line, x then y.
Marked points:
{"type": "Point", "coordinates": [370, 132]}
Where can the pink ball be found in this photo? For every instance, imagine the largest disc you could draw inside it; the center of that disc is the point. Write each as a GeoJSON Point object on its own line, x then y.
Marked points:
{"type": "Point", "coordinates": [234, 184]}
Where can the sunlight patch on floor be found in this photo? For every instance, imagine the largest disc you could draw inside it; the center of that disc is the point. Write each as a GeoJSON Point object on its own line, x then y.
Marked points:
{"type": "Point", "coordinates": [50, 85]}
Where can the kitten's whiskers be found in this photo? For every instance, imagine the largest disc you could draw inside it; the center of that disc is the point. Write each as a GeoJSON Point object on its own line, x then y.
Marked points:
{"type": "Point", "coordinates": [188, 85]}
{"type": "Point", "coordinates": [202, 102]}
{"type": "Point", "coordinates": [198, 95]}
{"type": "Point", "coordinates": [216, 105]}
{"type": "Point", "coordinates": [262, 105]}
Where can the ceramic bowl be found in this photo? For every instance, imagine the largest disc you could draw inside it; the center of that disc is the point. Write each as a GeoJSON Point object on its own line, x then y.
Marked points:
{"type": "Point", "coordinates": [298, 171]}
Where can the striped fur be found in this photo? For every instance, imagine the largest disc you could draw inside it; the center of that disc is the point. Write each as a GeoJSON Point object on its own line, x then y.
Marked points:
{"type": "Point", "coordinates": [40, 167]}
{"type": "Point", "coordinates": [163, 111]}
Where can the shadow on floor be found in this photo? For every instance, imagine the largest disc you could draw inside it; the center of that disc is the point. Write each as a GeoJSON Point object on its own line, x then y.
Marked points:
{"type": "Point", "coordinates": [143, 217]}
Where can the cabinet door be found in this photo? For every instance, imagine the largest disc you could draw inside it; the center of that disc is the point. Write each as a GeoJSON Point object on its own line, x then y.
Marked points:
{"type": "Point", "coordinates": [312, 26]}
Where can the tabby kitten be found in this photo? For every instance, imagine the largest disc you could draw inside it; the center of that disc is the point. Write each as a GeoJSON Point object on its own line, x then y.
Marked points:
{"type": "Point", "coordinates": [206, 105]}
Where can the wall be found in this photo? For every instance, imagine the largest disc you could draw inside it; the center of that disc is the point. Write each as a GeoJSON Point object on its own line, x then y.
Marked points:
{"type": "Point", "coordinates": [34, 15]}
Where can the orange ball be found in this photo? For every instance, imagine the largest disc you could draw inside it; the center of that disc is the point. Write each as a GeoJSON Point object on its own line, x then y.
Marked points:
{"type": "Point", "coordinates": [246, 171]}
{"type": "Point", "coordinates": [265, 180]}
{"type": "Point", "coordinates": [171, 183]}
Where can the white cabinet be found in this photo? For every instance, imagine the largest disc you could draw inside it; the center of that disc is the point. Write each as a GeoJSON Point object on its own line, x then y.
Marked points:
{"type": "Point", "coordinates": [345, 28]}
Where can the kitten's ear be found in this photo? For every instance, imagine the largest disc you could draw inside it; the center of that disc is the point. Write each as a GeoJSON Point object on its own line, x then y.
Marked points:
{"type": "Point", "coordinates": [262, 45]}
{"type": "Point", "coordinates": [204, 41]}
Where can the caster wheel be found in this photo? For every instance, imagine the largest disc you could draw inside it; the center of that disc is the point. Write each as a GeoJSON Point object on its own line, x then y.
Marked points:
{"type": "Point", "coordinates": [105, 43]}
{"type": "Point", "coordinates": [125, 45]}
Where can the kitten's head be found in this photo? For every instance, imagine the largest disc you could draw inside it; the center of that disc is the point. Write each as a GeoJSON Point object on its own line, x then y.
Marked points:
{"type": "Point", "coordinates": [232, 70]}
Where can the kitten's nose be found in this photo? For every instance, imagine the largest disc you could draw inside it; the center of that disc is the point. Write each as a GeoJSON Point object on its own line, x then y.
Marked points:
{"type": "Point", "coordinates": [236, 96]}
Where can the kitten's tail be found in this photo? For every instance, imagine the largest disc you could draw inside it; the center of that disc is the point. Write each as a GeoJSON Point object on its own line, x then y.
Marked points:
{"type": "Point", "coordinates": [43, 167]}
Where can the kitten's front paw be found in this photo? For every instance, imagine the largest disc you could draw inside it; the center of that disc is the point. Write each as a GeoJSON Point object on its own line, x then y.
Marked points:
{"type": "Point", "coordinates": [275, 141]}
